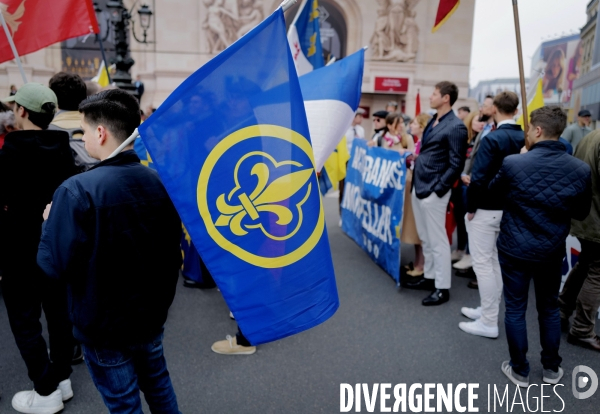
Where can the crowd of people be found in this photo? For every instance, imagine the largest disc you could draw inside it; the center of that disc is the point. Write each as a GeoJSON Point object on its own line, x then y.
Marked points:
{"type": "Point", "coordinates": [515, 198]}
{"type": "Point", "coordinates": [73, 209]}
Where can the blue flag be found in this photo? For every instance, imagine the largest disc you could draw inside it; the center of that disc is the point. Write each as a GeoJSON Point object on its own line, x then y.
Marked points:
{"type": "Point", "coordinates": [304, 38]}
{"type": "Point", "coordinates": [232, 147]}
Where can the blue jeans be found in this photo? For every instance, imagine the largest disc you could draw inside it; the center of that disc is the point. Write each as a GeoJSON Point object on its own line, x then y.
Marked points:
{"type": "Point", "coordinates": [120, 374]}
{"type": "Point", "coordinates": [516, 275]}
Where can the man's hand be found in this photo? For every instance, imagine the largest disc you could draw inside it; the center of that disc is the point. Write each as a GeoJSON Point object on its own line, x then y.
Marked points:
{"type": "Point", "coordinates": [466, 179]}
{"type": "Point", "coordinates": [470, 216]}
{"type": "Point", "coordinates": [47, 211]}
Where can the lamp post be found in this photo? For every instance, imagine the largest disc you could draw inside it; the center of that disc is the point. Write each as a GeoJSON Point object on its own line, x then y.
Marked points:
{"type": "Point", "coordinates": [119, 19]}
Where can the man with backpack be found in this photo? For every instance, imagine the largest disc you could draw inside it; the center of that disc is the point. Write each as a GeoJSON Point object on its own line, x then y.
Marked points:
{"type": "Point", "coordinates": [70, 91]}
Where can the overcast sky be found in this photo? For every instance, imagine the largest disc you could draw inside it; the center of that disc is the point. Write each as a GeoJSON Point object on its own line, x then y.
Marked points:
{"type": "Point", "coordinates": [494, 43]}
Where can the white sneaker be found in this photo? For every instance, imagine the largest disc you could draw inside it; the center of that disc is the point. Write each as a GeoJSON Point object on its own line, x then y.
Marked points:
{"type": "Point", "coordinates": [30, 402]}
{"type": "Point", "coordinates": [471, 313]}
{"type": "Point", "coordinates": [65, 389]}
{"type": "Point", "coordinates": [457, 255]}
{"type": "Point", "coordinates": [464, 263]}
{"type": "Point", "coordinates": [478, 328]}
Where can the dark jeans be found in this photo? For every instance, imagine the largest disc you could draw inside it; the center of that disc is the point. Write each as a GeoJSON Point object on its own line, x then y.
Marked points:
{"type": "Point", "coordinates": [26, 292]}
{"type": "Point", "coordinates": [241, 339]}
{"type": "Point", "coordinates": [120, 374]}
{"type": "Point", "coordinates": [456, 198]}
{"type": "Point", "coordinates": [582, 291]}
{"type": "Point", "coordinates": [516, 275]}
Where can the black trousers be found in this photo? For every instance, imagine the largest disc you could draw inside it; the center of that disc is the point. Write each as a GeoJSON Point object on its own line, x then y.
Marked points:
{"type": "Point", "coordinates": [27, 291]}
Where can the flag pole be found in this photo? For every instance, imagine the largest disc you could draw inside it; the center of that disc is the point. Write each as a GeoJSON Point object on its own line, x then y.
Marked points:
{"type": "Point", "coordinates": [287, 4]}
{"type": "Point", "coordinates": [104, 58]}
{"type": "Point", "coordinates": [13, 47]}
{"type": "Point", "coordinates": [521, 72]}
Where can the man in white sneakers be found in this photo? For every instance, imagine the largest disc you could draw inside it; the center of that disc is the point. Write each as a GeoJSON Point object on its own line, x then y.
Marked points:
{"type": "Point", "coordinates": [485, 213]}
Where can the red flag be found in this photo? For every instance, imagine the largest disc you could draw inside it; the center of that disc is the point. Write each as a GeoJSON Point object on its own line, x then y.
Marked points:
{"type": "Point", "coordinates": [418, 107]}
{"type": "Point", "coordinates": [445, 10]}
{"type": "Point", "coordinates": [35, 24]}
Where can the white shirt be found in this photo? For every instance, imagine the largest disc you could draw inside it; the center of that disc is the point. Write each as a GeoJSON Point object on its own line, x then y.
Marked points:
{"type": "Point", "coordinates": [506, 122]}
{"type": "Point", "coordinates": [354, 132]}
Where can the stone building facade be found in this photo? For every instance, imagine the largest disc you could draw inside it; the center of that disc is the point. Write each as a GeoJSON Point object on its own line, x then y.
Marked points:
{"type": "Point", "coordinates": [403, 58]}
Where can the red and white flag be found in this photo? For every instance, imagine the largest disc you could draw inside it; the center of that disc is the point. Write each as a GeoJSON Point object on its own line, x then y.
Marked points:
{"type": "Point", "coordinates": [35, 24]}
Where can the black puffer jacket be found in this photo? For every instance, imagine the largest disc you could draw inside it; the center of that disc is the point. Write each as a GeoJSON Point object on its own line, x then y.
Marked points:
{"type": "Point", "coordinates": [542, 191]}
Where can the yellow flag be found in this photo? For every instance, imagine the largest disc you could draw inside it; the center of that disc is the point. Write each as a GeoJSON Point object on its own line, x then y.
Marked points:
{"type": "Point", "coordinates": [535, 103]}
{"type": "Point", "coordinates": [102, 77]}
{"type": "Point", "coordinates": [336, 163]}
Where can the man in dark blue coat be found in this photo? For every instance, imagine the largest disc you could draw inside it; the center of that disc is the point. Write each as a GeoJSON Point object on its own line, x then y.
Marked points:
{"type": "Point", "coordinates": [437, 168]}
{"type": "Point", "coordinates": [485, 212]}
{"type": "Point", "coordinates": [542, 190]}
{"type": "Point", "coordinates": [113, 235]}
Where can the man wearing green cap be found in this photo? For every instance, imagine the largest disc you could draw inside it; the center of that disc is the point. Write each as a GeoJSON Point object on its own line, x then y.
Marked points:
{"type": "Point", "coordinates": [33, 163]}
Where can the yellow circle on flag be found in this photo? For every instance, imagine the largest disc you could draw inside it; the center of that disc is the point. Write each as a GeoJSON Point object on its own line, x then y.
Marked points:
{"type": "Point", "coordinates": [255, 132]}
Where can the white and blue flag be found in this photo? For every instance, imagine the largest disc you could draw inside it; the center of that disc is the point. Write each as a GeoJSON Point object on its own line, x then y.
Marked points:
{"type": "Point", "coordinates": [331, 96]}
{"type": "Point", "coordinates": [304, 38]}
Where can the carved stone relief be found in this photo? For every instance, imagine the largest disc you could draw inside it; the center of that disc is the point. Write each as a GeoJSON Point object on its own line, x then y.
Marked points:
{"type": "Point", "coordinates": [396, 34]}
{"type": "Point", "coordinates": [228, 20]}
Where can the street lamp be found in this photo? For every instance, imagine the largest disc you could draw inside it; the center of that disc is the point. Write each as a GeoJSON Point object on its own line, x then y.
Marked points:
{"type": "Point", "coordinates": [119, 19]}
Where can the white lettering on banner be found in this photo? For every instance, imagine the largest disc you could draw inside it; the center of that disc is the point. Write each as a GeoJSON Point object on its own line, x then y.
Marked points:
{"type": "Point", "coordinates": [376, 219]}
{"type": "Point", "coordinates": [378, 171]}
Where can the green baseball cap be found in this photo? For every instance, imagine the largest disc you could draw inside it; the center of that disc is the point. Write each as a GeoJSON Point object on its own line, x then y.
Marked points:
{"type": "Point", "coordinates": [33, 96]}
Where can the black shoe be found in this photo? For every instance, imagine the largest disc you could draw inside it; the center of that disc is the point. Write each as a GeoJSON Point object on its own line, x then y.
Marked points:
{"type": "Point", "coordinates": [473, 284]}
{"type": "Point", "coordinates": [189, 283]}
{"type": "Point", "coordinates": [437, 297]}
{"type": "Point", "coordinates": [420, 284]}
{"type": "Point", "coordinates": [468, 273]}
{"type": "Point", "coordinates": [77, 355]}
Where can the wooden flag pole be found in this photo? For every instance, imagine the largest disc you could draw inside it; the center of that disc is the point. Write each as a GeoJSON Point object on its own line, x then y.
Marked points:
{"type": "Point", "coordinates": [521, 72]}
{"type": "Point", "coordinates": [13, 47]}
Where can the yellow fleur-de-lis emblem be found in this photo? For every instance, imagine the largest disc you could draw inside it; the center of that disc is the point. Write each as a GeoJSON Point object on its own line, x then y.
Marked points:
{"type": "Point", "coordinates": [238, 204]}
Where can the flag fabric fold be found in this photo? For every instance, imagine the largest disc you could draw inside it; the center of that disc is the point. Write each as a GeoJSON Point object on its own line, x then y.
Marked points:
{"type": "Point", "coordinates": [304, 37]}
{"type": "Point", "coordinates": [233, 149]}
{"type": "Point", "coordinates": [418, 105]}
{"type": "Point", "coordinates": [445, 9]}
{"type": "Point", "coordinates": [35, 24]}
{"type": "Point", "coordinates": [331, 96]}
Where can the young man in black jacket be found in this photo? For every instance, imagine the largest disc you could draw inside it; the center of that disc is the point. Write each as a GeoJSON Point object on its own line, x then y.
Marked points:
{"type": "Point", "coordinates": [542, 190]}
{"type": "Point", "coordinates": [33, 163]}
{"type": "Point", "coordinates": [113, 235]}
{"type": "Point", "coordinates": [484, 212]}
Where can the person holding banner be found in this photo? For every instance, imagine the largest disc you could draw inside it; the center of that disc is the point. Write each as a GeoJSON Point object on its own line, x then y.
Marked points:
{"type": "Point", "coordinates": [437, 168]}
{"type": "Point", "coordinates": [396, 138]}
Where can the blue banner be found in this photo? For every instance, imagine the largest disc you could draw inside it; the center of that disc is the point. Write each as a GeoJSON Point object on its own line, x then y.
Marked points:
{"type": "Point", "coordinates": [373, 203]}
{"type": "Point", "coordinates": [232, 147]}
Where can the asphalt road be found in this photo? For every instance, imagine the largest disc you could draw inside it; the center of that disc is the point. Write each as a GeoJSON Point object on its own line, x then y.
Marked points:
{"type": "Point", "coordinates": [379, 335]}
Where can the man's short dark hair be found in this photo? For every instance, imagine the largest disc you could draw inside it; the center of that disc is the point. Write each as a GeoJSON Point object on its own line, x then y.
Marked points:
{"type": "Point", "coordinates": [465, 108]}
{"type": "Point", "coordinates": [39, 119]}
{"type": "Point", "coordinates": [70, 90]}
{"type": "Point", "coordinates": [448, 88]}
{"type": "Point", "coordinates": [115, 109]}
{"type": "Point", "coordinates": [551, 119]}
{"type": "Point", "coordinates": [507, 102]}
